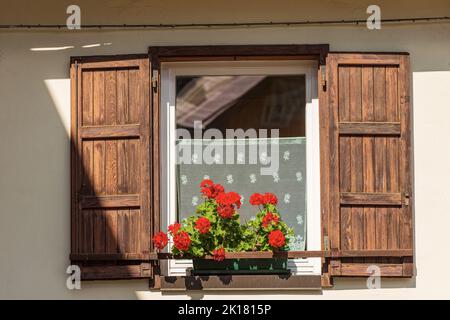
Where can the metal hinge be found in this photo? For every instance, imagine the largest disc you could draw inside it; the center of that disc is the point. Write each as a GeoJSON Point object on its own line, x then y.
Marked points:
{"type": "Point", "coordinates": [323, 76]}
{"type": "Point", "coordinates": [406, 199]}
{"type": "Point", "coordinates": [326, 245]}
{"type": "Point", "coordinates": [155, 77]}
{"type": "Point", "coordinates": [145, 270]}
{"type": "Point", "coordinates": [404, 99]}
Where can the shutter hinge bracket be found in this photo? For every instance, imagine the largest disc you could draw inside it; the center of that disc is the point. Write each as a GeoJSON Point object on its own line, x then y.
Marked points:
{"type": "Point", "coordinates": [406, 199]}
{"type": "Point", "coordinates": [326, 246]}
{"type": "Point", "coordinates": [404, 99]}
{"type": "Point", "coordinates": [155, 77]}
{"type": "Point", "coordinates": [145, 270]}
{"type": "Point", "coordinates": [323, 77]}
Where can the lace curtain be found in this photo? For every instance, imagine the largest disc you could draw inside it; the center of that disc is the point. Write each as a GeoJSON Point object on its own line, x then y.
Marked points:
{"type": "Point", "coordinates": [288, 183]}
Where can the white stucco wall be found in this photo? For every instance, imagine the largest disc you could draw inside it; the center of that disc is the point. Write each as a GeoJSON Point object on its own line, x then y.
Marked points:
{"type": "Point", "coordinates": [34, 142]}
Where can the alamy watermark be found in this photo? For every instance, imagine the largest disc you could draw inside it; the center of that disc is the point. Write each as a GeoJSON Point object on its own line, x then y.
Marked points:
{"type": "Point", "coordinates": [73, 22]}
{"type": "Point", "coordinates": [73, 281]}
{"type": "Point", "coordinates": [374, 280]}
{"type": "Point", "coordinates": [210, 146]}
{"type": "Point", "coordinates": [374, 20]}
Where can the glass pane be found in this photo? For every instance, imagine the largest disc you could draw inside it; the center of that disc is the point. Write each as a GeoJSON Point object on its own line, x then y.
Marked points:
{"type": "Point", "coordinates": [244, 102]}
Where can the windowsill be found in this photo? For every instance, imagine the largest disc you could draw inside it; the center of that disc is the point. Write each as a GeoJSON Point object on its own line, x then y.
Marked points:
{"type": "Point", "coordinates": [241, 282]}
{"type": "Point", "coordinates": [291, 254]}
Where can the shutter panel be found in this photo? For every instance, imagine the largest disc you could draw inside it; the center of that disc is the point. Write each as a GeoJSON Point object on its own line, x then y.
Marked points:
{"type": "Point", "coordinates": [370, 217]}
{"type": "Point", "coordinates": [111, 210]}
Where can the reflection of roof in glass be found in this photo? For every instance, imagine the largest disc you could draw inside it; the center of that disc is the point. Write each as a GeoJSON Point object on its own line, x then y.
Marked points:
{"type": "Point", "coordinates": [207, 97]}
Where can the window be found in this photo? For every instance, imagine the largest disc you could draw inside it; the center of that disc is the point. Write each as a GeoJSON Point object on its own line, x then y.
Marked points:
{"type": "Point", "coordinates": [204, 100]}
{"type": "Point", "coordinates": [124, 155]}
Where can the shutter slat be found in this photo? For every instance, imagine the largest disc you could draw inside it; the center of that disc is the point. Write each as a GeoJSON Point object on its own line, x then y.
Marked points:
{"type": "Point", "coordinates": [370, 218]}
{"type": "Point", "coordinates": [111, 272]}
{"type": "Point", "coordinates": [110, 201]}
{"type": "Point", "coordinates": [361, 198]}
{"type": "Point", "coordinates": [369, 128]}
{"type": "Point", "coordinates": [110, 158]}
{"type": "Point", "coordinates": [109, 256]}
{"type": "Point", "coordinates": [114, 131]}
{"type": "Point", "coordinates": [364, 270]}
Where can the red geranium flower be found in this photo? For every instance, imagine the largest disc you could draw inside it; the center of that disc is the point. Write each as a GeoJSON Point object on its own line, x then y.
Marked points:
{"type": "Point", "coordinates": [235, 199]}
{"type": "Point", "coordinates": [256, 199]}
{"type": "Point", "coordinates": [160, 240]}
{"type": "Point", "coordinates": [210, 190]}
{"type": "Point", "coordinates": [206, 183]}
{"type": "Point", "coordinates": [229, 199]}
{"type": "Point", "coordinates": [182, 241]}
{"type": "Point", "coordinates": [277, 239]}
{"type": "Point", "coordinates": [202, 225]}
{"type": "Point", "coordinates": [270, 198]}
{"type": "Point", "coordinates": [219, 254]}
{"type": "Point", "coordinates": [225, 211]}
{"type": "Point", "coordinates": [174, 228]}
{"type": "Point", "coordinates": [215, 190]}
{"type": "Point", "coordinates": [222, 199]}
{"type": "Point", "coordinates": [207, 192]}
{"type": "Point", "coordinates": [269, 218]}
{"type": "Point", "coordinates": [218, 188]}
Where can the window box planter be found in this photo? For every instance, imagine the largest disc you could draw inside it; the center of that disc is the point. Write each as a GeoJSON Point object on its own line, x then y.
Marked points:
{"type": "Point", "coordinates": [240, 266]}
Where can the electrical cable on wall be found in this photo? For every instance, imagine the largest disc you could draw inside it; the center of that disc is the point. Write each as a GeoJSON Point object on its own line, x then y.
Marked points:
{"type": "Point", "coordinates": [225, 25]}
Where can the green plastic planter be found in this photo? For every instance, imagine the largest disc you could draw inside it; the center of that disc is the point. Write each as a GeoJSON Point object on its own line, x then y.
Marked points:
{"type": "Point", "coordinates": [240, 266]}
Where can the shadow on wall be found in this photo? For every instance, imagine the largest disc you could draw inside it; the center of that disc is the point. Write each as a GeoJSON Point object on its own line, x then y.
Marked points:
{"type": "Point", "coordinates": [35, 184]}
{"type": "Point", "coordinates": [347, 284]}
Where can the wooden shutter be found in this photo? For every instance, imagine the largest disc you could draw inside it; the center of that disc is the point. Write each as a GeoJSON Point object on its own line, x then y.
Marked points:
{"type": "Point", "coordinates": [111, 148]}
{"type": "Point", "coordinates": [370, 188]}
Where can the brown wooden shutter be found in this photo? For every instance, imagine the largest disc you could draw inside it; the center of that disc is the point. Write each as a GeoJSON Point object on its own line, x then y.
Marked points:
{"type": "Point", "coordinates": [111, 161]}
{"type": "Point", "coordinates": [370, 187]}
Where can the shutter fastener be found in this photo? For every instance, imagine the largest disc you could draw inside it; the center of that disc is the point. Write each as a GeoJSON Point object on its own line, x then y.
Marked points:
{"type": "Point", "coordinates": [406, 199]}
{"type": "Point", "coordinates": [326, 246]}
{"type": "Point", "coordinates": [155, 77]}
{"type": "Point", "coordinates": [323, 73]}
{"type": "Point", "coordinates": [145, 270]}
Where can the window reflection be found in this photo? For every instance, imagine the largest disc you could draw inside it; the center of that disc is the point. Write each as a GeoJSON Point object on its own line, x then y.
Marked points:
{"type": "Point", "coordinates": [231, 102]}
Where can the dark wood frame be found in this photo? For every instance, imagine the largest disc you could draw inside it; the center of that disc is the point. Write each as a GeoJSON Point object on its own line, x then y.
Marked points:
{"type": "Point", "coordinates": [195, 53]}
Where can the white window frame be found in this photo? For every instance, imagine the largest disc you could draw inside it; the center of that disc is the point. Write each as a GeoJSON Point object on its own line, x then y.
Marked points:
{"type": "Point", "coordinates": [169, 72]}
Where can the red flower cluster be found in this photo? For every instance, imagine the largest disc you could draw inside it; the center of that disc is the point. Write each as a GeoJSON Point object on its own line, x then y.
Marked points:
{"type": "Point", "coordinates": [225, 212]}
{"type": "Point", "coordinates": [211, 190]}
{"type": "Point", "coordinates": [203, 225]}
{"type": "Point", "coordinates": [182, 241]}
{"type": "Point", "coordinates": [277, 239]}
{"type": "Point", "coordinates": [258, 199]}
{"type": "Point", "coordinates": [174, 228]}
{"type": "Point", "coordinates": [219, 254]}
{"type": "Point", "coordinates": [229, 199]}
{"type": "Point", "coordinates": [228, 203]}
{"type": "Point", "coordinates": [270, 198]}
{"type": "Point", "coordinates": [160, 240]}
{"type": "Point", "coordinates": [268, 219]}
